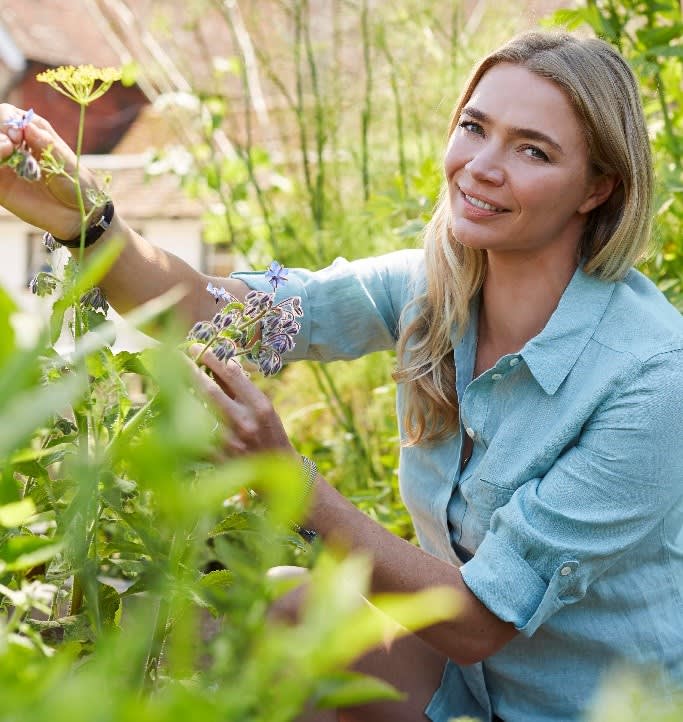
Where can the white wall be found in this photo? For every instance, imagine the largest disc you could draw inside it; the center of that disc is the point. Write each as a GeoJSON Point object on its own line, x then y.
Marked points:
{"type": "Point", "coordinates": [181, 237]}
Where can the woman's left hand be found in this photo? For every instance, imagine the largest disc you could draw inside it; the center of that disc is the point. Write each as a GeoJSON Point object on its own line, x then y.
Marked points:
{"type": "Point", "coordinates": [252, 424]}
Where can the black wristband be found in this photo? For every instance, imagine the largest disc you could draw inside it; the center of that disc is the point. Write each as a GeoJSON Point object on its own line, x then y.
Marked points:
{"type": "Point", "coordinates": [92, 234]}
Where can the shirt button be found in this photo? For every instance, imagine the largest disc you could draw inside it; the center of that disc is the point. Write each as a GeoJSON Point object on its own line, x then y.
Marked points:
{"type": "Point", "coordinates": [514, 361]}
{"type": "Point", "coordinates": [496, 377]}
{"type": "Point", "coordinates": [470, 432]}
{"type": "Point", "coordinates": [565, 570]}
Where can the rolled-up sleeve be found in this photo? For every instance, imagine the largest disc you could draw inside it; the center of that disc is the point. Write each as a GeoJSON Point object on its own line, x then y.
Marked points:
{"type": "Point", "coordinates": [559, 533]}
{"type": "Point", "coordinates": [350, 308]}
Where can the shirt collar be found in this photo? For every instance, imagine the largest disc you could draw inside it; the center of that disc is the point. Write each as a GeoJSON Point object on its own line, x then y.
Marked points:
{"type": "Point", "coordinates": [552, 354]}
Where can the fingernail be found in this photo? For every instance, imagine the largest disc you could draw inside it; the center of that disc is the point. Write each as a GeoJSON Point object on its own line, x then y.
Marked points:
{"type": "Point", "coordinates": [16, 134]}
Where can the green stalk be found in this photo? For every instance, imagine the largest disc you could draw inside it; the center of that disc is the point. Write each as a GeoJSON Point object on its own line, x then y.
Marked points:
{"type": "Point", "coordinates": [83, 421]}
{"type": "Point", "coordinates": [398, 113]}
{"type": "Point", "coordinates": [300, 116]}
{"type": "Point", "coordinates": [344, 414]}
{"type": "Point", "coordinates": [320, 135]}
{"type": "Point", "coordinates": [162, 621]}
{"type": "Point", "coordinates": [673, 141]}
{"type": "Point", "coordinates": [367, 106]}
{"type": "Point", "coordinates": [246, 153]}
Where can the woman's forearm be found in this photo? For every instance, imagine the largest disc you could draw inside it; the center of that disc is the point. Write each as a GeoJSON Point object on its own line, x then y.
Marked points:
{"type": "Point", "coordinates": [398, 566]}
{"type": "Point", "coordinates": [143, 272]}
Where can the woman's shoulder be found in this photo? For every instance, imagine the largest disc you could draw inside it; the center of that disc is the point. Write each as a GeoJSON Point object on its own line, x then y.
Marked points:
{"type": "Point", "coordinates": [640, 320]}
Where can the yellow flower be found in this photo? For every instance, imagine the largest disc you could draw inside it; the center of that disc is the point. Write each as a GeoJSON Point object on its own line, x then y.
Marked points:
{"type": "Point", "coordinates": [83, 84]}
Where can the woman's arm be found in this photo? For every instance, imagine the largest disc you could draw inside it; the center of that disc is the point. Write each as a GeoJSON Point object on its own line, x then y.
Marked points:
{"type": "Point", "coordinates": [142, 272]}
{"type": "Point", "coordinates": [398, 566]}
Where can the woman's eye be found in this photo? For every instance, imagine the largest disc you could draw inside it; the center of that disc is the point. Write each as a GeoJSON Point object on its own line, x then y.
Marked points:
{"type": "Point", "coordinates": [533, 152]}
{"type": "Point", "coordinates": [471, 127]}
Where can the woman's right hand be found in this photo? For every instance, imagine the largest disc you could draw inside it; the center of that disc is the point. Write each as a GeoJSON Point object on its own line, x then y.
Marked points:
{"type": "Point", "coordinates": [51, 202]}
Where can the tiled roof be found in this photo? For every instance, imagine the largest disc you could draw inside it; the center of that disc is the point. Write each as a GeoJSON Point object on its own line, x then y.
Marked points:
{"type": "Point", "coordinates": [58, 32]}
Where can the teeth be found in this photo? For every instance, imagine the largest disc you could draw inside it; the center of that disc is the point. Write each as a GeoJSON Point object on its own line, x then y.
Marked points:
{"type": "Point", "coordinates": [481, 204]}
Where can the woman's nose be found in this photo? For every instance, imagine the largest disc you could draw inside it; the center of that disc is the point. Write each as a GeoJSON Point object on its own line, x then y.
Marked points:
{"type": "Point", "coordinates": [486, 167]}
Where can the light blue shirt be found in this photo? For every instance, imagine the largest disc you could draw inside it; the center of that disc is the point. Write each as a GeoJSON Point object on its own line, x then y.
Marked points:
{"type": "Point", "coordinates": [571, 507]}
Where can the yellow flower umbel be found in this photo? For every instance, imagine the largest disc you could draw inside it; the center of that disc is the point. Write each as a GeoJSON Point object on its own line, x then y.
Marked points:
{"type": "Point", "coordinates": [82, 84]}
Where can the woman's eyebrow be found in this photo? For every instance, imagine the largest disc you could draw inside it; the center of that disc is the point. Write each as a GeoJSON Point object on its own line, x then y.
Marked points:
{"type": "Point", "coordinates": [514, 131]}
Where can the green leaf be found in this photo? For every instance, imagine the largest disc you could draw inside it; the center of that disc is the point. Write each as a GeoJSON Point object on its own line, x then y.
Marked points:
{"type": "Point", "coordinates": [109, 601]}
{"type": "Point", "coordinates": [17, 513]}
{"type": "Point", "coordinates": [345, 689]}
{"type": "Point", "coordinates": [659, 36]}
{"type": "Point", "coordinates": [25, 412]}
{"type": "Point", "coordinates": [7, 337]}
{"type": "Point", "coordinates": [25, 552]}
{"type": "Point", "coordinates": [97, 266]}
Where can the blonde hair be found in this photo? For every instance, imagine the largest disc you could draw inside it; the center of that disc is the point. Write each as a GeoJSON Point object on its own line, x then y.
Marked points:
{"type": "Point", "coordinates": [604, 94]}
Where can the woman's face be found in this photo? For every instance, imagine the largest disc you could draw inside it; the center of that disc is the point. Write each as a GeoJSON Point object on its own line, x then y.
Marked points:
{"type": "Point", "coordinates": [518, 169]}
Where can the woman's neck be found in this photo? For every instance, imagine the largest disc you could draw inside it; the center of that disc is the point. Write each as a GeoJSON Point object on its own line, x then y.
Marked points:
{"type": "Point", "coordinates": [519, 295]}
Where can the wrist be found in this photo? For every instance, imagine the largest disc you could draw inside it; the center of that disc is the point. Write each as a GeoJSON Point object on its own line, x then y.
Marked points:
{"type": "Point", "coordinates": [99, 221]}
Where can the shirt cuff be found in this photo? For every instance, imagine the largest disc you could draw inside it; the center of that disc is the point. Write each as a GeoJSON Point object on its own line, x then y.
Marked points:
{"type": "Point", "coordinates": [508, 586]}
{"type": "Point", "coordinates": [257, 281]}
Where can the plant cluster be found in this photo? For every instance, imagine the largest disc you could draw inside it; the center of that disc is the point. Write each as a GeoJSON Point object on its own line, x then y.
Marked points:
{"type": "Point", "coordinates": [133, 565]}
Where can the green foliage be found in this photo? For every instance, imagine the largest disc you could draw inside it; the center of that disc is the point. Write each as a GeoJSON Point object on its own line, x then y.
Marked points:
{"type": "Point", "coordinates": [133, 569]}
{"type": "Point", "coordinates": [649, 33]}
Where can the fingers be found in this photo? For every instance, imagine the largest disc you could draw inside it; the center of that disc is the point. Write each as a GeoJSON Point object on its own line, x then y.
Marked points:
{"type": "Point", "coordinates": [234, 382]}
{"type": "Point", "coordinates": [221, 401]}
{"type": "Point", "coordinates": [6, 147]}
{"type": "Point", "coordinates": [254, 424]}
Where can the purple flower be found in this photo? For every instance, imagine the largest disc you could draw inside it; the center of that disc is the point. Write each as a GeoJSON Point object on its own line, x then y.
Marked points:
{"type": "Point", "coordinates": [223, 320]}
{"type": "Point", "coordinates": [22, 122]}
{"type": "Point", "coordinates": [27, 166]}
{"type": "Point", "coordinates": [255, 302]}
{"type": "Point", "coordinates": [43, 284]}
{"type": "Point", "coordinates": [224, 349]}
{"type": "Point", "coordinates": [50, 243]}
{"type": "Point", "coordinates": [276, 274]}
{"type": "Point", "coordinates": [202, 331]}
{"type": "Point", "coordinates": [280, 343]}
{"type": "Point", "coordinates": [292, 305]}
{"type": "Point", "coordinates": [220, 294]}
{"type": "Point", "coordinates": [95, 300]}
{"type": "Point", "coordinates": [269, 362]}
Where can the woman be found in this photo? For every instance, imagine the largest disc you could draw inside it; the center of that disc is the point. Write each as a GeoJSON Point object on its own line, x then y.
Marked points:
{"type": "Point", "coordinates": [540, 391]}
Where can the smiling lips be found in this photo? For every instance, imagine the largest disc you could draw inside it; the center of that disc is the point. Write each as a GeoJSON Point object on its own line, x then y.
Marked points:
{"type": "Point", "coordinates": [482, 205]}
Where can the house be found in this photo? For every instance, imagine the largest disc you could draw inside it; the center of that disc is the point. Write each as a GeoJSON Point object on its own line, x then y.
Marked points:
{"type": "Point", "coordinates": [122, 129]}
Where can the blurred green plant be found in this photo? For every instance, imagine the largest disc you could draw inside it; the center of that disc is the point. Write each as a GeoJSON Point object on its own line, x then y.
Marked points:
{"type": "Point", "coordinates": [649, 33]}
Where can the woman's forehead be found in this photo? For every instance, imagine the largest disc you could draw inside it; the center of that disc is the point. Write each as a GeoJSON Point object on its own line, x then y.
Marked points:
{"type": "Point", "coordinates": [514, 96]}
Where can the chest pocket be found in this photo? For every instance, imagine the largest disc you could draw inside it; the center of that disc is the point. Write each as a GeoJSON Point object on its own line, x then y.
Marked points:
{"type": "Point", "coordinates": [482, 498]}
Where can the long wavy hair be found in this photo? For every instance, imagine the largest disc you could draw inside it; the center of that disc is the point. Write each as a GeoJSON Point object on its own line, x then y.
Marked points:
{"type": "Point", "coordinates": [604, 94]}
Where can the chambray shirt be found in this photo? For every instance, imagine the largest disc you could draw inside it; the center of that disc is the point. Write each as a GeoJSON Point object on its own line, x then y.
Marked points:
{"type": "Point", "coordinates": [569, 515]}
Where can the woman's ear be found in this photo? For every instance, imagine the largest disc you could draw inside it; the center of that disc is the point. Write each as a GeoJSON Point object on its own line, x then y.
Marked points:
{"type": "Point", "coordinates": [600, 189]}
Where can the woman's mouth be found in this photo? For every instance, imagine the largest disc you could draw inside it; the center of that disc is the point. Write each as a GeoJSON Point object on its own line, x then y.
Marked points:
{"type": "Point", "coordinates": [477, 203]}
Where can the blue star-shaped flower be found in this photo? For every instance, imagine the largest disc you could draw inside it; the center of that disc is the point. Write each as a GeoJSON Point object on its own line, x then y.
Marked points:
{"type": "Point", "coordinates": [220, 294]}
{"type": "Point", "coordinates": [22, 122]}
{"type": "Point", "coordinates": [276, 274]}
